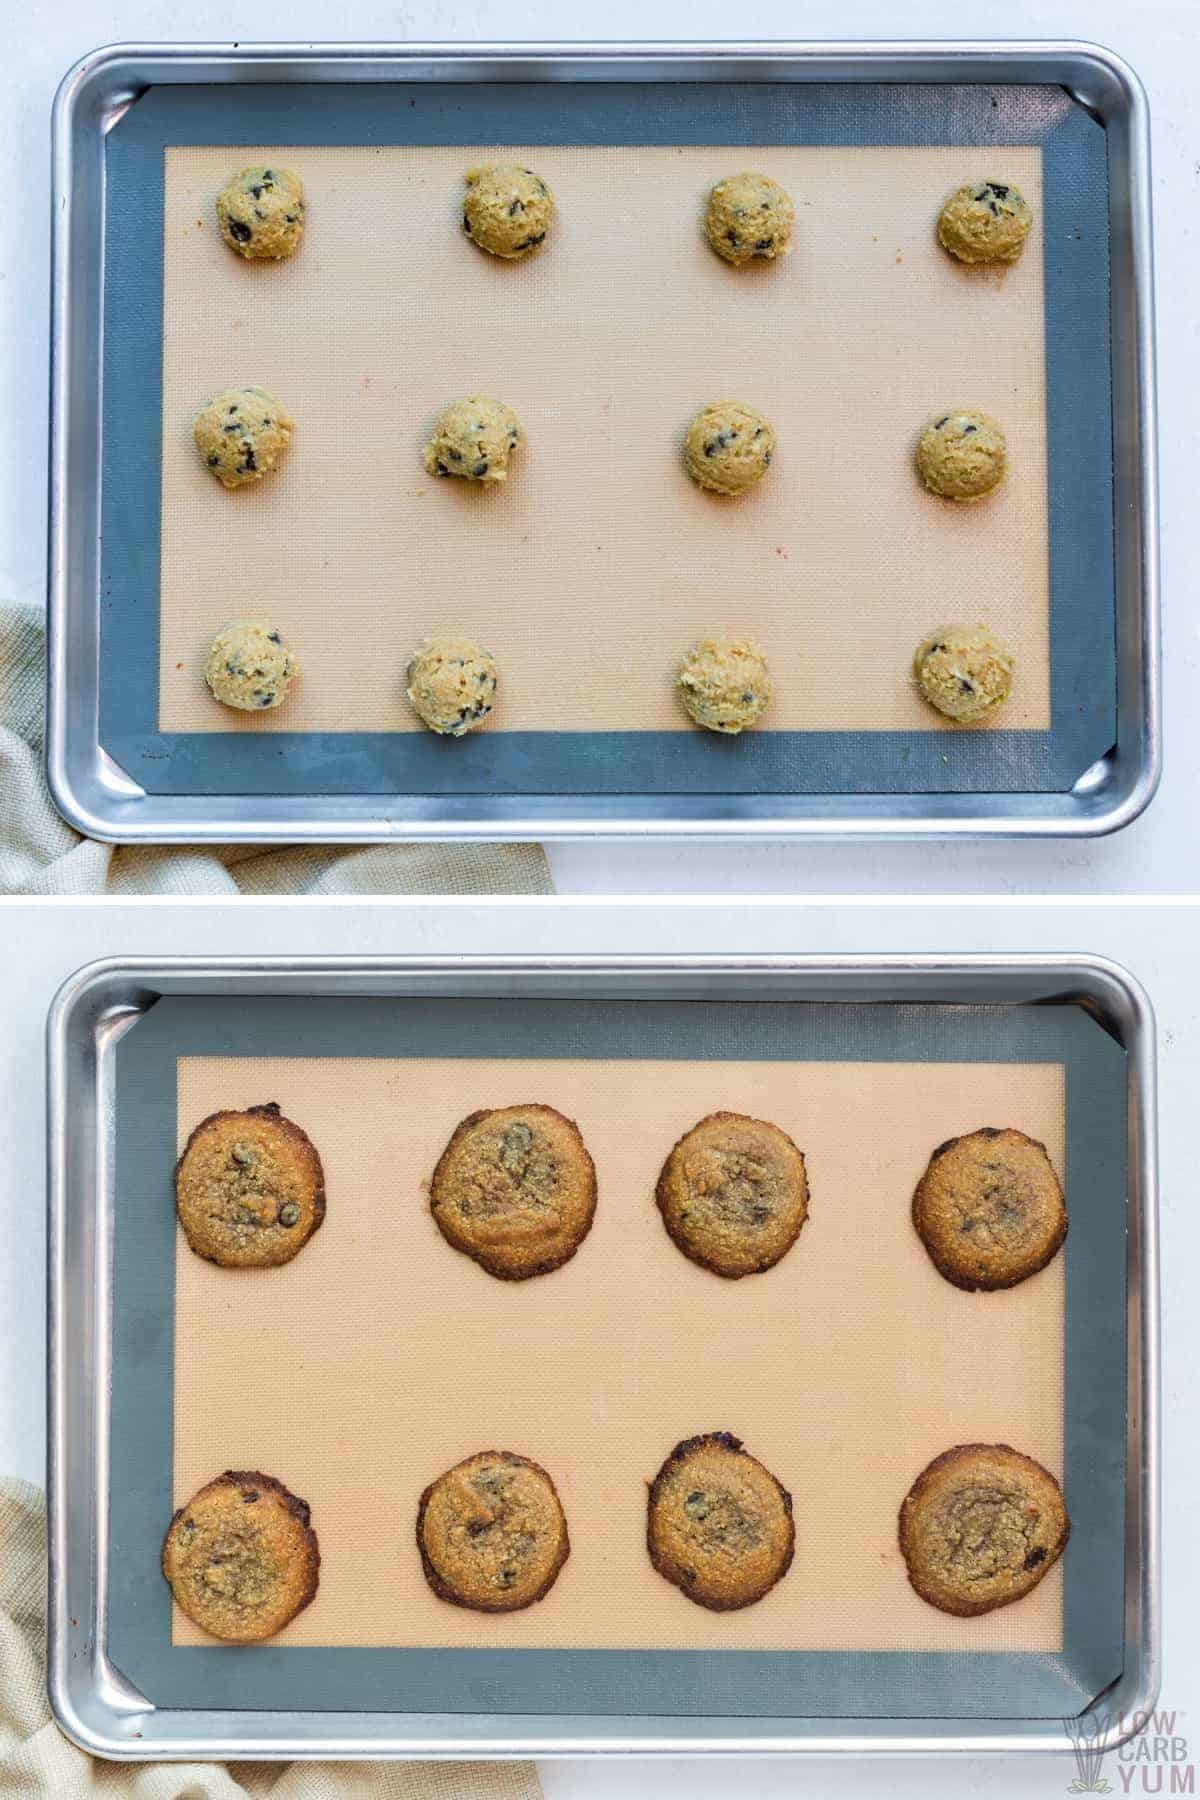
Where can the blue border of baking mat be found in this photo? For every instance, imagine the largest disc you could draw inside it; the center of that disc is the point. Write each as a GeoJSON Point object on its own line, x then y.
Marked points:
{"type": "Point", "coordinates": [711, 1683]}
{"type": "Point", "coordinates": [1074, 238]}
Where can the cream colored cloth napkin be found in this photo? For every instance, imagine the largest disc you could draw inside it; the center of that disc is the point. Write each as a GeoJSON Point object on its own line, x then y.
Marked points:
{"type": "Point", "coordinates": [40, 854]}
{"type": "Point", "coordinates": [38, 1763]}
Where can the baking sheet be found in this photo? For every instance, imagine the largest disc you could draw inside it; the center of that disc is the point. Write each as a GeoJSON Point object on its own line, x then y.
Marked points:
{"type": "Point", "coordinates": [362, 1387]}
{"type": "Point", "coordinates": [605, 568]}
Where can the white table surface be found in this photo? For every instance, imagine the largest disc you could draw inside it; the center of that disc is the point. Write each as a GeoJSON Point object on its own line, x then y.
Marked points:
{"type": "Point", "coordinates": [1161, 38]}
{"type": "Point", "coordinates": [43, 942]}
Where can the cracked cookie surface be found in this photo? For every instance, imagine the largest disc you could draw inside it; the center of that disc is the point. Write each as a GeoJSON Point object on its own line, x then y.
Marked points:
{"type": "Point", "coordinates": [749, 217]}
{"type": "Point", "coordinates": [728, 448]}
{"type": "Point", "coordinates": [241, 1557]}
{"type": "Point", "coordinates": [507, 210]}
{"type": "Point", "coordinates": [261, 213]}
{"type": "Point", "coordinates": [989, 1209]}
{"type": "Point", "coordinates": [492, 1533]}
{"type": "Point", "coordinates": [733, 1194]}
{"type": "Point", "coordinates": [249, 1188]}
{"type": "Point", "coordinates": [241, 435]}
{"type": "Point", "coordinates": [980, 1527]}
{"type": "Point", "coordinates": [985, 222]}
{"type": "Point", "coordinates": [718, 1524]}
{"type": "Point", "coordinates": [515, 1189]}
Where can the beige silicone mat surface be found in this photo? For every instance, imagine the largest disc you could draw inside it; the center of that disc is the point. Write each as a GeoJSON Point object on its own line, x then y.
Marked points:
{"type": "Point", "coordinates": [600, 562]}
{"type": "Point", "coordinates": [380, 1356]}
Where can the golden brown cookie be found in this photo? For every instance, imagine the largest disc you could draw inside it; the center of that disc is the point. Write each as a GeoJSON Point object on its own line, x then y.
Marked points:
{"type": "Point", "coordinates": [718, 1524]}
{"type": "Point", "coordinates": [516, 1190]}
{"type": "Point", "coordinates": [491, 1533]}
{"type": "Point", "coordinates": [249, 1188]}
{"type": "Point", "coordinates": [733, 1194]}
{"type": "Point", "coordinates": [980, 1527]}
{"type": "Point", "coordinates": [989, 1209]}
{"type": "Point", "coordinates": [241, 1557]}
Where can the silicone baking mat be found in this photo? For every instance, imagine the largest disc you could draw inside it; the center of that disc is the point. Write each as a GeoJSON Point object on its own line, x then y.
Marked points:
{"type": "Point", "coordinates": [846, 1368]}
{"type": "Point", "coordinates": [600, 562]}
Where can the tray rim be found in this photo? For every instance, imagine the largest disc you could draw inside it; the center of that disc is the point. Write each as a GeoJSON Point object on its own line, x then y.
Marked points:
{"type": "Point", "coordinates": [90, 1699]}
{"type": "Point", "coordinates": [97, 798]}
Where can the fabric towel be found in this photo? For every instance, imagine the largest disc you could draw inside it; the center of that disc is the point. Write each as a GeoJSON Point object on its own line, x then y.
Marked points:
{"type": "Point", "coordinates": [41, 854]}
{"type": "Point", "coordinates": [38, 1763]}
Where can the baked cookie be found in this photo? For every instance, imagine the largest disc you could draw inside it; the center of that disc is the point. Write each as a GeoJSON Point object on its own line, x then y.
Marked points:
{"type": "Point", "coordinates": [733, 1194]}
{"type": "Point", "coordinates": [980, 1527]}
{"type": "Point", "coordinates": [515, 1189]}
{"type": "Point", "coordinates": [718, 1524]}
{"type": "Point", "coordinates": [728, 448]}
{"type": "Point", "coordinates": [491, 1533]}
{"type": "Point", "coordinates": [241, 1557]}
{"type": "Point", "coordinates": [474, 439]}
{"type": "Point", "coordinates": [965, 671]}
{"type": "Point", "coordinates": [249, 1189]}
{"type": "Point", "coordinates": [749, 216]}
{"type": "Point", "coordinates": [507, 210]}
{"type": "Point", "coordinates": [724, 684]}
{"type": "Point", "coordinates": [989, 1209]}
{"type": "Point", "coordinates": [451, 685]}
{"type": "Point", "coordinates": [962, 455]}
{"type": "Point", "coordinates": [261, 213]}
{"type": "Point", "coordinates": [242, 434]}
{"type": "Point", "coordinates": [249, 667]}
{"type": "Point", "coordinates": [985, 222]}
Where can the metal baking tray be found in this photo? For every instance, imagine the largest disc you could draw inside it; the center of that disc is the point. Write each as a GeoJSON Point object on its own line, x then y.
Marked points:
{"type": "Point", "coordinates": [106, 800]}
{"type": "Point", "coordinates": [95, 1703]}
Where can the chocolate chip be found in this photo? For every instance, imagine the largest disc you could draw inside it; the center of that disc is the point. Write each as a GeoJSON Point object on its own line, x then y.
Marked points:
{"type": "Point", "coordinates": [466, 225]}
{"type": "Point", "coordinates": [938, 423]}
{"type": "Point", "coordinates": [256, 190]}
{"type": "Point", "coordinates": [733, 237]}
{"type": "Point", "coordinates": [967, 687]}
{"type": "Point", "coordinates": [213, 461]}
{"type": "Point", "coordinates": [1000, 191]}
{"type": "Point", "coordinates": [764, 243]}
{"type": "Point", "coordinates": [241, 232]}
{"type": "Point", "coordinates": [259, 213]}
{"type": "Point", "coordinates": [1035, 1557]}
{"type": "Point", "coordinates": [516, 207]}
{"type": "Point", "coordinates": [262, 696]}
{"type": "Point", "coordinates": [289, 1213]}
{"type": "Point", "coordinates": [231, 428]}
{"type": "Point", "coordinates": [250, 1495]}
{"type": "Point", "coordinates": [746, 699]}
{"type": "Point", "coordinates": [274, 637]}
{"type": "Point", "coordinates": [249, 467]}
{"type": "Point", "coordinates": [480, 468]}
{"type": "Point", "coordinates": [968, 429]}
{"type": "Point", "coordinates": [234, 407]}
{"type": "Point", "coordinates": [529, 242]}
{"type": "Point", "coordinates": [442, 469]}
{"type": "Point", "coordinates": [290, 217]}
{"type": "Point", "coordinates": [454, 455]}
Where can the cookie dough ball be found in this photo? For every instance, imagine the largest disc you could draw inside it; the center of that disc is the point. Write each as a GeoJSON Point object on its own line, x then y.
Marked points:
{"type": "Point", "coordinates": [725, 684]}
{"type": "Point", "coordinates": [507, 210]}
{"type": "Point", "coordinates": [452, 685]}
{"type": "Point", "coordinates": [980, 1527]}
{"type": "Point", "coordinates": [719, 1525]}
{"type": "Point", "coordinates": [261, 213]}
{"type": "Point", "coordinates": [491, 1533]}
{"type": "Point", "coordinates": [242, 434]}
{"type": "Point", "coordinates": [515, 1190]}
{"type": "Point", "coordinates": [989, 1209]}
{"type": "Point", "coordinates": [728, 448]}
{"type": "Point", "coordinates": [749, 216]}
{"type": "Point", "coordinates": [733, 1194]}
{"type": "Point", "coordinates": [474, 439]}
{"type": "Point", "coordinates": [962, 455]}
{"type": "Point", "coordinates": [249, 1189]}
{"type": "Point", "coordinates": [249, 666]}
{"type": "Point", "coordinates": [241, 1557]}
{"type": "Point", "coordinates": [964, 671]}
{"type": "Point", "coordinates": [987, 222]}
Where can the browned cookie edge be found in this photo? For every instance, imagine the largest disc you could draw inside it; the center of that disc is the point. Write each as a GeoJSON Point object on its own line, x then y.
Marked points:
{"type": "Point", "coordinates": [550, 1263]}
{"type": "Point", "coordinates": [679, 1454]}
{"type": "Point", "coordinates": [962, 1609]}
{"type": "Point", "coordinates": [269, 1110]}
{"type": "Point", "coordinates": [972, 1284]}
{"type": "Point", "coordinates": [692, 1251]}
{"type": "Point", "coordinates": [435, 1581]}
{"type": "Point", "coordinates": [299, 1510]}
